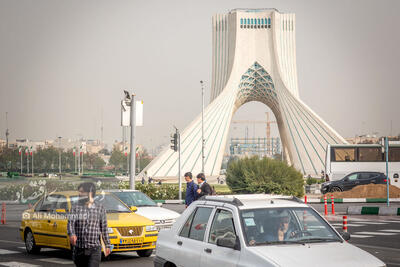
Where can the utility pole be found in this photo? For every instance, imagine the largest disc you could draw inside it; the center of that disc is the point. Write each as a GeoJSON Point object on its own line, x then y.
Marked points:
{"type": "Point", "coordinates": [202, 127]}
{"type": "Point", "coordinates": [387, 169]}
{"type": "Point", "coordinates": [59, 155]}
{"type": "Point", "coordinates": [79, 160]}
{"type": "Point", "coordinates": [7, 132]}
{"type": "Point", "coordinates": [32, 159]}
{"type": "Point", "coordinates": [21, 152]}
{"type": "Point", "coordinates": [132, 168]}
{"type": "Point", "coordinates": [27, 160]}
{"type": "Point", "coordinates": [176, 146]}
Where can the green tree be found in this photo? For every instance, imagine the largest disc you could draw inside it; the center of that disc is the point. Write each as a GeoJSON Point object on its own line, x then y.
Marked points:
{"type": "Point", "coordinates": [254, 175]}
{"type": "Point", "coordinates": [118, 160]}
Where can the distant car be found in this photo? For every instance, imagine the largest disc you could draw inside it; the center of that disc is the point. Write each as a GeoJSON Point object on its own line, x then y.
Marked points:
{"type": "Point", "coordinates": [256, 230]}
{"type": "Point", "coordinates": [352, 180]}
{"type": "Point", "coordinates": [146, 207]}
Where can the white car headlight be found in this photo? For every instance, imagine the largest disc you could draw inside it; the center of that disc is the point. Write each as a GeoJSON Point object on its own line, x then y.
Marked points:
{"type": "Point", "coordinates": [151, 228]}
{"type": "Point", "coordinates": [110, 230]}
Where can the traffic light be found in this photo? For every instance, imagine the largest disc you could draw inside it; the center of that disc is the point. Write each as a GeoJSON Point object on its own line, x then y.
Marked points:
{"type": "Point", "coordinates": [174, 142]}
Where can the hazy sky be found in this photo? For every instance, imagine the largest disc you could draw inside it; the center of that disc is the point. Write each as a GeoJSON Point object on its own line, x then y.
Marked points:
{"type": "Point", "coordinates": [63, 62]}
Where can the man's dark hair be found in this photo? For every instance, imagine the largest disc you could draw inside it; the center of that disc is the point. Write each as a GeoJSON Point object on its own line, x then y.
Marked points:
{"type": "Point", "coordinates": [188, 174]}
{"type": "Point", "coordinates": [88, 187]}
{"type": "Point", "coordinates": [201, 176]}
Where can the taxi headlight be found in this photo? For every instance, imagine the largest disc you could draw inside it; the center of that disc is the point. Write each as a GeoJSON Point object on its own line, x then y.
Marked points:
{"type": "Point", "coordinates": [110, 230]}
{"type": "Point", "coordinates": [150, 228]}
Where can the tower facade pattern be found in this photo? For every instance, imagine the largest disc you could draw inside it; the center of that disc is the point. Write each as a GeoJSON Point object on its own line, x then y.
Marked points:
{"type": "Point", "coordinates": [254, 59]}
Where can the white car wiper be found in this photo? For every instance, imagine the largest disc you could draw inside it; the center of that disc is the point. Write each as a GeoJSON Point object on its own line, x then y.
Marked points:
{"type": "Point", "coordinates": [280, 242]}
{"type": "Point", "coordinates": [320, 239]}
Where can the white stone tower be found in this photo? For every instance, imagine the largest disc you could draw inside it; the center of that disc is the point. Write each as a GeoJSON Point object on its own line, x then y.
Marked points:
{"type": "Point", "coordinates": [254, 59]}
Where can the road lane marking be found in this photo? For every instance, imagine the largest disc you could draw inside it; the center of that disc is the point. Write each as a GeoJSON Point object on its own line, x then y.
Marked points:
{"type": "Point", "coordinates": [6, 251]}
{"type": "Point", "coordinates": [377, 247]}
{"type": "Point", "coordinates": [349, 224]}
{"type": "Point", "coordinates": [377, 223]}
{"type": "Point", "coordinates": [17, 264]}
{"type": "Point", "coordinates": [8, 241]}
{"type": "Point", "coordinates": [374, 233]}
{"type": "Point", "coordinates": [359, 236]}
{"type": "Point", "coordinates": [390, 230]}
{"type": "Point", "coordinates": [57, 260]}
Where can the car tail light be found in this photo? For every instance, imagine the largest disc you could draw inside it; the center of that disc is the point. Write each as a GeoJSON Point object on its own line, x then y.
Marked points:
{"type": "Point", "coordinates": [385, 180]}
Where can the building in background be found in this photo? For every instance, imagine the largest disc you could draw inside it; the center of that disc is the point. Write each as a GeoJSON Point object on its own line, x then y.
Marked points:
{"type": "Point", "coordinates": [254, 59]}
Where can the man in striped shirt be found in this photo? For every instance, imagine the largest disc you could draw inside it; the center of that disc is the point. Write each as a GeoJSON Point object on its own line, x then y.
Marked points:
{"type": "Point", "coordinates": [87, 224]}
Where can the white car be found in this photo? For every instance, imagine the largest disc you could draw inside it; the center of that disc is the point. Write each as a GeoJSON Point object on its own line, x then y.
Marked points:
{"type": "Point", "coordinates": [256, 230]}
{"type": "Point", "coordinates": [146, 207]}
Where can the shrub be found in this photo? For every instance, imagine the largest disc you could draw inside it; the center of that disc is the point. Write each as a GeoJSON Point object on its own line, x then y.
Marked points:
{"type": "Point", "coordinates": [254, 175]}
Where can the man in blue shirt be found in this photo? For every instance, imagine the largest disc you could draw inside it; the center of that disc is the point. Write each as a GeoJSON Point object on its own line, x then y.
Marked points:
{"type": "Point", "coordinates": [191, 188]}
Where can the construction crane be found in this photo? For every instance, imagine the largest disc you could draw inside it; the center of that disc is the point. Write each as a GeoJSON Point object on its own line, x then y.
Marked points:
{"type": "Point", "coordinates": [268, 128]}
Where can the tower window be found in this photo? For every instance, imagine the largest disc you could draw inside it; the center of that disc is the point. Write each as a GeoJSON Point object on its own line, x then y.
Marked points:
{"type": "Point", "coordinates": [241, 21]}
{"type": "Point", "coordinates": [269, 21]}
{"type": "Point", "coordinates": [252, 21]}
{"type": "Point", "coordinates": [248, 21]}
{"type": "Point", "coordinates": [258, 21]}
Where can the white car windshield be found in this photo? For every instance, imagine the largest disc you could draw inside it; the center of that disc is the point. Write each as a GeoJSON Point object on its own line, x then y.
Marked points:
{"type": "Point", "coordinates": [109, 202]}
{"type": "Point", "coordinates": [137, 199]}
{"type": "Point", "coordinates": [285, 225]}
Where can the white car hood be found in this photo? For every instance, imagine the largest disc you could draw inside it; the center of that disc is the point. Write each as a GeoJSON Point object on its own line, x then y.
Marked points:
{"type": "Point", "coordinates": [157, 213]}
{"type": "Point", "coordinates": [317, 254]}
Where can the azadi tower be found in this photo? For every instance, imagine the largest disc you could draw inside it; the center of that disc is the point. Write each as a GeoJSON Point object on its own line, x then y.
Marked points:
{"type": "Point", "coordinates": [254, 59]}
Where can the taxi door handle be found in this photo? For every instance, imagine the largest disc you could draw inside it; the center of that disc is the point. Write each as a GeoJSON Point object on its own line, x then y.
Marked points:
{"type": "Point", "coordinates": [48, 221]}
{"type": "Point", "coordinates": [179, 243]}
{"type": "Point", "coordinates": [208, 250]}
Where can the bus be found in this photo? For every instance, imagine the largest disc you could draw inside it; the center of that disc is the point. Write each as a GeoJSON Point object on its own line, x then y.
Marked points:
{"type": "Point", "coordinates": [344, 159]}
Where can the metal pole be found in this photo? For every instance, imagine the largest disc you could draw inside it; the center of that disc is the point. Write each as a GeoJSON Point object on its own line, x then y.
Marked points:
{"type": "Point", "coordinates": [82, 161]}
{"type": "Point", "coordinates": [75, 159]}
{"type": "Point", "coordinates": [79, 162]}
{"type": "Point", "coordinates": [32, 163]}
{"type": "Point", "coordinates": [126, 149]}
{"type": "Point", "coordinates": [387, 169]}
{"type": "Point", "coordinates": [179, 164]}
{"type": "Point", "coordinates": [22, 152]}
{"type": "Point", "coordinates": [27, 162]}
{"type": "Point", "coordinates": [202, 127]}
{"type": "Point", "coordinates": [133, 145]}
{"type": "Point", "coordinates": [59, 154]}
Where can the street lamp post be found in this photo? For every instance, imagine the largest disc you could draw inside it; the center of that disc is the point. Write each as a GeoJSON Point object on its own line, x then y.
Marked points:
{"type": "Point", "coordinates": [59, 155]}
{"type": "Point", "coordinates": [202, 126]}
{"type": "Point", "coordinates": [132, 166]}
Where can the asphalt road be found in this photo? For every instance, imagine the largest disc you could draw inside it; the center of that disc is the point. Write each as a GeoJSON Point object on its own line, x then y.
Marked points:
{"type": "Point", "coordinates": [379, 235]}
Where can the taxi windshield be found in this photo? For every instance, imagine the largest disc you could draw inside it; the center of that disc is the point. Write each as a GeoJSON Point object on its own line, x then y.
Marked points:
{"type": "Point", "coordinates": [285, 225]}
{"type": "Point", "coordinates": [137, 199]}
{"type": "Point", "coordinates": [109, 202]}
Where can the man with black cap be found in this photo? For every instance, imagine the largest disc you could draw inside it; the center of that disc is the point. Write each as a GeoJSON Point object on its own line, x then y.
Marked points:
{"type": "Point", "coordinates": [204, 188]}
{"type": "Point", "coordinates": [191, 189]}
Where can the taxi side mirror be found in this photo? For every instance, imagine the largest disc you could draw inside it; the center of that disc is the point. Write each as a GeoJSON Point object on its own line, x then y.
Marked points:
{"type": "Point", "coordinates": [60, 210]}
{"type": "Point", "coordinates": [133, 208]}
{"type": "Point", "coordinates": [159, 204]}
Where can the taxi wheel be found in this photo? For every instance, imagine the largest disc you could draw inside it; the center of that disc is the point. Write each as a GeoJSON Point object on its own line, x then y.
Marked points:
{"type": "Point", "coordinates": [30, 243]}
{"type": "Point", "coordinates": [144, 253]}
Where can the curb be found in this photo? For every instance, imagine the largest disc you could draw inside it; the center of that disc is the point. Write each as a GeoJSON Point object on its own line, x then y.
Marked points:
{"type": "Point", "coordinates": [370, 210]}
{"type": "Point", "coordinates": [353, 200]}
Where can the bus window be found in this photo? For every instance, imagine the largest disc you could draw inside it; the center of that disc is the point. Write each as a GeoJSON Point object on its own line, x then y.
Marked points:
{"type": "Point", "coordinates": [343, 154]}
{"type": "Point", "coordinates": [369, 154]}
{"type": "Point", "coordinates": [394, 154]}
